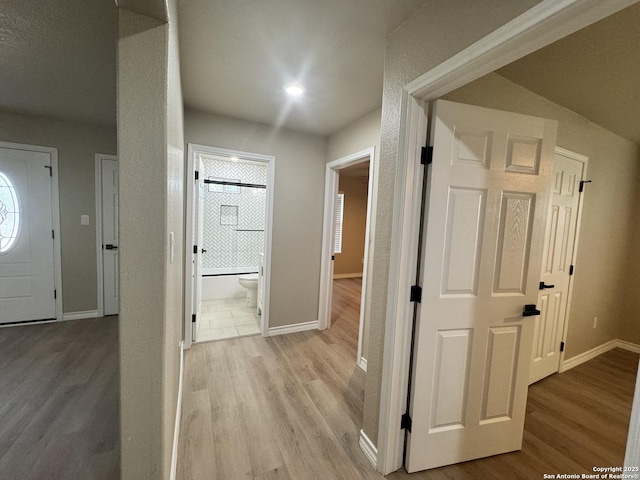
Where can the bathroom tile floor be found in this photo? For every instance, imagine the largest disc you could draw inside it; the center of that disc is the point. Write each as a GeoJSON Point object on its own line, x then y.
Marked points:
{"type": "Point", "coordinates": [227, 318]}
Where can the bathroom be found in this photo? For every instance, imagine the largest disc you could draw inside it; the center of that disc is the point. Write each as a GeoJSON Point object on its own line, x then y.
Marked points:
{"type": "Point", "coordinates": [234, 196]}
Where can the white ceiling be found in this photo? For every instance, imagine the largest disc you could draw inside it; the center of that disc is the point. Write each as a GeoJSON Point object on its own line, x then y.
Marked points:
{"type": "Point", "coordinates": [58, 58]}
{"type": "Point", "coordinates": [594, 72]}
{"type": "Point", "coordinates": [237, 54]}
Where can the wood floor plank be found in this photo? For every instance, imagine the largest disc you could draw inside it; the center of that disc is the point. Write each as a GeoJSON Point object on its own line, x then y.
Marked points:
{"type": "Point", "coordinates": [59, 413]}
{"type": "Point", "coordinates": [297, 401]}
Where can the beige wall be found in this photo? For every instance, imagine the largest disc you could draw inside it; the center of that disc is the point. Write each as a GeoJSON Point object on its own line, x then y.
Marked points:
{"type": "Point", "coordinates": [298, 204]}
{"type": "Point", "coordinates": [77, 146]}
{"type": "Point", "coordinates": [354, 225]}
{"type": "Point", "coordinates": [151, 205]}
{"type": "Point", "coordinates": [440, 29]}
{"type": "Point", "coordinates": [607, 215]}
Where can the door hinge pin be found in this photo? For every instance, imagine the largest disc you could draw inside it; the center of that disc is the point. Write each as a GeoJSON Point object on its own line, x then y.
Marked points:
{"type": "Point", "coordinates": [416, 294]}
{"type": "Point", "coordinates": [55, 294]}
{"type": "Point", "coordinates": [406, 422]}
{"type": "Point", "coordinates": [562, 346]}
{"type": "Point", "coordinates": [426, 156]}
{"type": "Point", "coordinates": [195, 249]}
{"type": "Point", "coordinates": [53, 234]}
{"type": "Point", "coordinates": [197, 175]}
{"type": "Point", "coordinates": [571, 270]}
{"type": "Point", "coordinates": [193, 318]}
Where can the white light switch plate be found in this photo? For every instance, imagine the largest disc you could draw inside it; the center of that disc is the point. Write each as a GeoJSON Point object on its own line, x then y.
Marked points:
{"type": "Point", "coordinates": [84, 219]}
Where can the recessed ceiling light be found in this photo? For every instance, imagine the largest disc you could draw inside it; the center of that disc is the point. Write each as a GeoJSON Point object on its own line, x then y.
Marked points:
{"type": "Point", "coordinates": [294, 89]}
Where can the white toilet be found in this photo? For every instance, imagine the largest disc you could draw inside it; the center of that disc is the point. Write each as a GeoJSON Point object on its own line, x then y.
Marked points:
{"type": "Point", "coordinates": [250, 282]}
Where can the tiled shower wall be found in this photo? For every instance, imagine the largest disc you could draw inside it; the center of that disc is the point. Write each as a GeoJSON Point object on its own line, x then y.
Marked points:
{"type": "Point", "coordinates": [234, 217]}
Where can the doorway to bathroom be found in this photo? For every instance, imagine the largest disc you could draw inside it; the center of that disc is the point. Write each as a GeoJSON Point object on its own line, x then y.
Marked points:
{"type": "Point", "coordinates": [347, 244]}
{"type": "Point", "coordinates": [228, 217]}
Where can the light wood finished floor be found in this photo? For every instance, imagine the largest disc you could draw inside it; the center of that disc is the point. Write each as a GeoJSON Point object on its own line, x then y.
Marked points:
{"type": "Point", "coordinates": [59, 401]}
{"type": "Point", "coordinates": [290, 407]}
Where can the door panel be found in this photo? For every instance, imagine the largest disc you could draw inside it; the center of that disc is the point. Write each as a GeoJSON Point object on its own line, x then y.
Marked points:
{"type": "Point", "coordinates": [27, 280]}
{"type": "Point", "coordinates": [110, 257]}
{"type": "Point", "coordinates": [198, 199]}
{"type": "Point", "coordinates": [557, 256]}
{"type": "Point", "coordinates": [488, 190]}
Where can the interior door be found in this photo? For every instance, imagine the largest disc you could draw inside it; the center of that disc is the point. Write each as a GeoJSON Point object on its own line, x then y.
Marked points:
{"type": "Point", "coordinates": [27, 280]}
{"type": "Point", "coordinates": [556, 260]}
{"type": "Point", "coordinates": [110, 258]}
{"type": "Point", "coordinates": [487, 198]}
{"type": "Point", "coordinates": [199, 250]}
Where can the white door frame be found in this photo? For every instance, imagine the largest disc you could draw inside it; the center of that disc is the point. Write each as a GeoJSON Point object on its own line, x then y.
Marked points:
{"type": "Point", "coordinates": [585, 161]}
{"type": "Point", "coordinates": [328, 235]}
{"type": "Point", "coordinates": [543, 24]}
{"type": "Point", "coordinates": [100, 261]}
{"type": "Point", "coordinates": [55, 213]}
{"type": "Point", "coordinates": [192, 150]}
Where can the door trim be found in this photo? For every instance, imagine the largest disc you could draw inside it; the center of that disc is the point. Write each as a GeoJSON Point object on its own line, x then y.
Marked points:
{"type": "Point", "coordinates": [99, 259]}
{"type": "Point", "coordinates": [585, 161]}
{"type": "Point", "coordinates": [539, 26]}
{"type": "Point", "coordinates": [55, 215]}
{"type": "Point", "coordinates": [326, 268]}
{"type": "Point", "coordinates": [270, 160]}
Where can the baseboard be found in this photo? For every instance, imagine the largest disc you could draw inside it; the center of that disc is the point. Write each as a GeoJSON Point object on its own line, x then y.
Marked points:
{"type": "Point", "coordinates": [337, 276]}
{"type": "Point", "coordinates": [363, 363]}
{"type": "Point", "coordinates": [632, 347]}
{"type": "Point", "coordinates": [369, 449]}
{"type": "Point", "coordinates": [80, 315]}
{"type": "Point", "coordinates": [296, 327]}
{"type": "Point", "coordinates": [176, 428]}
{"type": "Point", "coordinates": [588, 355]}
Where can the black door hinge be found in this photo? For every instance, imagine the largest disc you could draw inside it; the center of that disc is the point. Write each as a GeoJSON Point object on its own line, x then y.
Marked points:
{"type": "Point", "coordinates": [197, 175]}
{"type": "Point", "coordinates": [333, 257]}
{"type": "Point", "coordinates": [571, 270]}
{"type": "Point", "coordinates": [416, 294]}
{"type": "Point", "coordinates": [426, 157]}
{"type": "Point", "coordinates": [582, 182]}
{"type": "Point", "coordinates": [53, 234]}
{"type": "Point", "coordinates": [406, 422]}
{"type": "Point", "coordinates": [195, 249]}
{"type": "Point", "coordinates": [55, 294]}
{"type": "Point", "coordinates": [562, 346]}
{"type": "Point", "coordinates": [193, 318]}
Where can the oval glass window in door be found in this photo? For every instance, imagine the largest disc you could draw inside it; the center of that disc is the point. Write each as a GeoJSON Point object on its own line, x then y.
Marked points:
{"type": "Point", "coordinates": [9, 214]}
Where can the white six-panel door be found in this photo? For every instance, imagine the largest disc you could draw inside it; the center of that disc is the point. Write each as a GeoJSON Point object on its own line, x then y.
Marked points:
{"type": "Point", "coordinates": [556, 261]}
{"type": "Point", "coordinates": [488, 189]}
{"type": "Point", "coordinates": [27, 279]}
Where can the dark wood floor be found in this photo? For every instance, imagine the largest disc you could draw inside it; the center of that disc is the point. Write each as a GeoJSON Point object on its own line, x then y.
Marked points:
{"type": "Point", "coordinates": [59, 401]}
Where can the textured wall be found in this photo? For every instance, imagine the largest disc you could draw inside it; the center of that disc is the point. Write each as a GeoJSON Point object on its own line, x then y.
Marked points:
{"type": "Point", "coordinates": [297, 208]}
{"type": "Point", "coordinates": [150, 149]}
{"type": "Point", "coordinates": [608, 209]}
{"type": "Point", "coordinates": [77, 145]}
{"type": "Point", "coordinates": [354, 223]}
{"type": "Point", "coordinates": [439, 30]}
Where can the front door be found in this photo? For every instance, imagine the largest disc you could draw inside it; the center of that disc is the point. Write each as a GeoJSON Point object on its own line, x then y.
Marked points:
{"type": "Point", "coordinates": [27, 280]}
{"type": "Point", "coordinates": [110, 257]}
{"type": "Point", "coordinates": [485, 215]}
{"type": "Point", "coordinates": [556, 263]}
